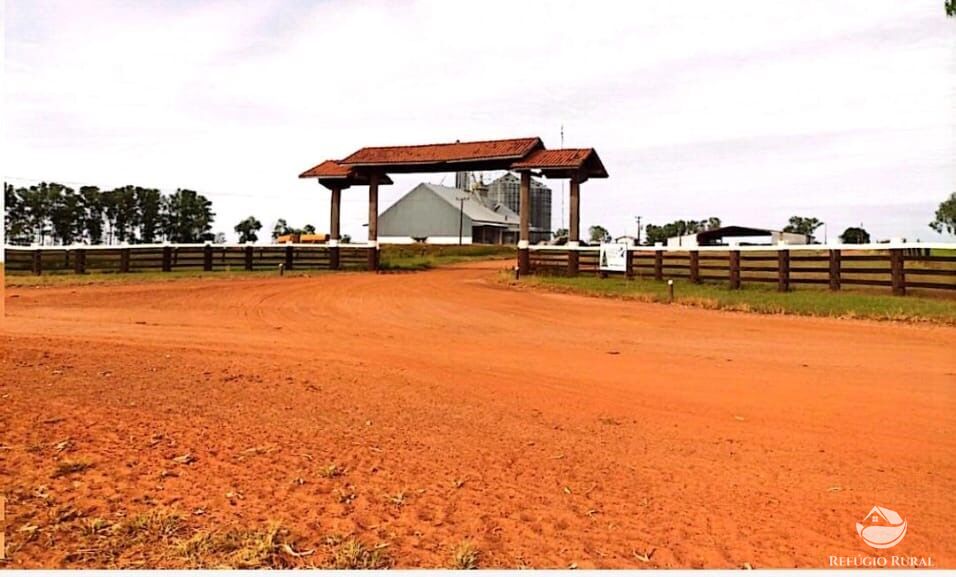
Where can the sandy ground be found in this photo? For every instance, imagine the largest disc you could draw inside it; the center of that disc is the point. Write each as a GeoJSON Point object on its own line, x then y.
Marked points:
{"type": "Point", "coordinates": [548, 429]}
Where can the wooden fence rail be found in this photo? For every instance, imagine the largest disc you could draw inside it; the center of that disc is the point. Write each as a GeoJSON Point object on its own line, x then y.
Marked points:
{"type": "Point", "coordinates": [896, 268]}
{"type": "Point", "coordinates": [191, 257]}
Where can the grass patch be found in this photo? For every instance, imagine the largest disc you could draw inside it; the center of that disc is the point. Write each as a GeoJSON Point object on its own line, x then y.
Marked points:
{"type": "Point", "coordinates": [464, 556]}
{"type": "Point", "coordinates": [758, 298]}
{"type": "Point", "coordinates": [239, 549]}
{"type": "Point", "coordinates": [55, 279]}
{"type": "Point", "coordinates": [425, 256]}
{"type": "Point", "coordinates": [353, 554]}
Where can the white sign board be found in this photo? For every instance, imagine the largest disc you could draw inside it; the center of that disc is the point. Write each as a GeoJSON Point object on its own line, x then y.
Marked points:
{"type": "Point", "coordinates": [613, 257]}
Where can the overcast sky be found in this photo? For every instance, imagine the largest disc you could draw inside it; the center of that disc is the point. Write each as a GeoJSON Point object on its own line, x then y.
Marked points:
{"type": "Point", "coordinates": [752, 111]}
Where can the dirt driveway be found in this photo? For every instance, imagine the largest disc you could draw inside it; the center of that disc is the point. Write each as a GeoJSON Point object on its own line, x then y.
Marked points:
{"type": "Point", "coordinates": [414, 412]}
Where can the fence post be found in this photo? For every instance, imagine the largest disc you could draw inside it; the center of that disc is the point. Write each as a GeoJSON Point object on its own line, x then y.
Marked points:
{"type": "Point", "coordinates": [79, 261]}
{"type": "Point", "coordinates": [207, 257]}
{"type": "Point", "coordinates": [783, 270]}
{"type": "Point", "coordinates": [37, 262]}
{"type": "Point", "coordinates": [167, 258]}
{"type": "Point", "coordinates": [629, 266]}
{"type": "Point", "coordinates": [834, 270]}
{"type": "Point", "coordinates": [896, 270]}
{"type": "Point", "coordinates": [735, 269]}
{"type": "Point", "coordinates": [658, 265]}
{"type": "Point", "coordinates": [289, 256]}
{"type": "Point", "coordinates": [248, 257]}
{"type": "Point", "coordinates": [124, 260]}
{"type": "Point", "coordinates": [695, 267]}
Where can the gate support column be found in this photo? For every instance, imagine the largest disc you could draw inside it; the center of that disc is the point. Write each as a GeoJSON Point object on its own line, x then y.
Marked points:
{"type": "Point", "coordinates": [334, 233]}
{"type": "Point", "coordinates": [524, 237]}
{"type": "Point", "coordinates": [373, 222]}
{"type": "Point", "coordinates": [574, 226]}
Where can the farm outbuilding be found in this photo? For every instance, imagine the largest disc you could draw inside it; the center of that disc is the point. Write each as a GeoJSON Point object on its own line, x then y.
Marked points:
{"type": "Point", "coordinates": [736, 235]}
{"type": "Point", "coordinates": [436, 214]}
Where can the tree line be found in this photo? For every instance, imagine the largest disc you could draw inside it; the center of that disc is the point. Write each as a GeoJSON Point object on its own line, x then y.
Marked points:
{"type": "Point", "coordinates": [51, 213]}
{"type": "Point", "coordinates": [249, 227]}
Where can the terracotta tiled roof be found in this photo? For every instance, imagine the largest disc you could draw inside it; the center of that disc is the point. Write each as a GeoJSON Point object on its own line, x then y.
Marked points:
{"type": "Point", "coordinates": [563, 159]}
{"type": "Point", "coordinates": [328, 169]}
{"type": "Point", "coordinates": [438, 153]}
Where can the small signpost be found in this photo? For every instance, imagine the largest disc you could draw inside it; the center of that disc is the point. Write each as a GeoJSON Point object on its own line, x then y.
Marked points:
{"type": "Point", "coordinates": [613, 257]}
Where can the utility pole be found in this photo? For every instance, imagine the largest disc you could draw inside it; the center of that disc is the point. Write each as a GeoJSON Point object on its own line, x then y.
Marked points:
{"type": "Point", "coordinates": [562, 182]}
{"type": "Point", "coordinates": [638, 219]}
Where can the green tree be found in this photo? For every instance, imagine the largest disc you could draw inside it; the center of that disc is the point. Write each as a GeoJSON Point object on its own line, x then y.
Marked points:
{"type": "Point", "coordinates": [119, 206]}
{"type": "Point", "coordinates": [598, 233]}
{"type": "Point", "coordinates": [308, 229]}
{"type": "Point", "coordinates": [281, 228]}
{"type": "Point", "coordinates": [945, 216]}
{"type": "Point", "coordinates": [561, 232]}
{"type": "Point", "coordinates": [855, 235]}
{"type": "Point", "coordinates": [66, 214]}
{"type": "Point", "coordinates": [803, 225]}
{"type": "Point", "coordinates": [14, 217]}
{"type": "Point", "coordinates": [91, 202]}
{"type": "Point", "coordinates": [950, 7]}
{"type": "Point", "coordinates": [148, 216]}
{"type": "Point", "coordinates": [38, 207]}
{"type": "Point", "coordinates": [654, 233]}
{"type": "Point", "coordinates": [187, 217]}
{"type": "Point", "coordinates": [247, 229]}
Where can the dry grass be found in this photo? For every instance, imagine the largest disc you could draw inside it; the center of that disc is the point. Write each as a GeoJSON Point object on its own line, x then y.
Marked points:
{"type": "Point", "coordinates": [239, 549]}
{"type": "Point", "coordinates": [464, 556]}
{"type": "Point", "coordinates": [353, 554]}
{"type": "Point", "coordinates": [331, 471]}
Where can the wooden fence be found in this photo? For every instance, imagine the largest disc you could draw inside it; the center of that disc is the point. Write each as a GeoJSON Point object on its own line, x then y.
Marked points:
{"type": "Point", "coordinates": [183, 257]}
{"type": "Point", "coordinates": [919, 266]}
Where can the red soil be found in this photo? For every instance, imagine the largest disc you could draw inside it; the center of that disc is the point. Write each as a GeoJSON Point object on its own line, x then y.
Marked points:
{"type": "Point", "coordinates": [585, 431]}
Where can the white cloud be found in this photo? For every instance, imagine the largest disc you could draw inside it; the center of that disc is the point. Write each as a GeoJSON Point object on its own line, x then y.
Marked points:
{"type": "Point", "coordinates": [751, 111]}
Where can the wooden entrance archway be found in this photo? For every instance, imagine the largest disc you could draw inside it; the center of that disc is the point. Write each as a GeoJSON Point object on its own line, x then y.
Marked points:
{"type": "Point", "coordinates": [526, 156]}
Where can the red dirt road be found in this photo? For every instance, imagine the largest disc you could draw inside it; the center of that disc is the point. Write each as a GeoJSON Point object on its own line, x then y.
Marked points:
{"type": "Point", "coordinates": [549, 429]}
